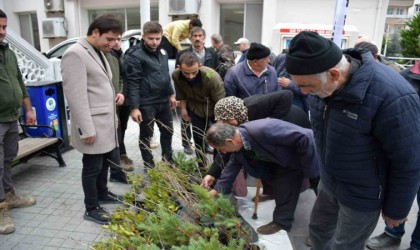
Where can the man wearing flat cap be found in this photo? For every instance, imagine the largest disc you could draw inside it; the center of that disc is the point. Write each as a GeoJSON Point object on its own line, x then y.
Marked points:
{"type": "Point", "coordinates": [375, 52]}
{"type": "Point", "coordinates": [365, 119]}
{"type": "Point", "coordinates": [252, 76]}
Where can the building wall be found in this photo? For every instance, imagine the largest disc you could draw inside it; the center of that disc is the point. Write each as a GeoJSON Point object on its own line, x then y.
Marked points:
{"type": "Point", "coordinates": [367, 16]}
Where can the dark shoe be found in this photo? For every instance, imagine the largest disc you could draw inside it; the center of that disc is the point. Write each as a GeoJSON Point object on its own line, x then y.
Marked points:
{"type": "Point", "coordinates": [99, 215]}
{"type": "Point", "coordinates": [270, 228]}
{"type": "Point", "coordinates": [111, 198]}
{"type": "Point", "coordinates": [188, 151]}
{"type": "Point", "coordinates": [119, 179]}
{"type": "Point", "coordinates": [382, 241]}
{"type": "Point", "coordinates": [264, 197]}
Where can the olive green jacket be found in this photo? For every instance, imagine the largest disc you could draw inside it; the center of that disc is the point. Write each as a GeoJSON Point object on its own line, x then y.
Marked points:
{"type": "Point", "coordinates": [12, 87]}
{"type": "Point", "coordinates": [202, 93]}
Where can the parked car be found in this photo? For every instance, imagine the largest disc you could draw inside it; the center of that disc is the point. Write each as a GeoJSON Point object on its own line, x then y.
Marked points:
{"type": "Point", "coordinates": [58, 50]}
{"type": "Point", "coordinates": [128, 38]}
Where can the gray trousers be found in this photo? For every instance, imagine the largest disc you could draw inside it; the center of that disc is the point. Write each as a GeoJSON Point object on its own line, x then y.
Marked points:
{"type": "Point", "coordinates": [9, 137]}
{"type": "Point", "coordinates": [335, 226]}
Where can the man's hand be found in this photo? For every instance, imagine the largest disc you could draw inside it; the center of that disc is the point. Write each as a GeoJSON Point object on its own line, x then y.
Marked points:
{"type": "Point", "coordinates": [90, 140]}
{"type": "Point", "coordinates": [30, 117]}
{"type": "Point", "coordinates": [136, 115]}
{"type": "Point", "coordinates": [119, 99]}
{"type": "Point", "coordinates": [172, 102]}
{"type": "Point", "coordinates": [283, 82]}
{"type": "Point", "coordinates": [391, 223]}
{"type": "Point", "coordinates": [214, 193]}
{"type": "Point", "coordinates": [207, 181]}
{"type": "Point", "coordinates": [184, 115]}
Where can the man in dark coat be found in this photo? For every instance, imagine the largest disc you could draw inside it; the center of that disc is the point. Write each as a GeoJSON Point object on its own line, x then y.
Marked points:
{"type": "Point", "coordinates": [271, 149]}
{"type": "Point", "coordinates": [392, 236]}
{"type": "Point", "coordinates": [150, 93]}
{"type": "Point", "coordinates": [236, 111]}
{"type": "Point", "coordinates": [366, 120]}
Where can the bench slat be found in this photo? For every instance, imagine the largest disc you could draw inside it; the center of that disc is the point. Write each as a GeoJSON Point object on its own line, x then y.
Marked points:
{"type": "Point", "coordinates": [28, 146]}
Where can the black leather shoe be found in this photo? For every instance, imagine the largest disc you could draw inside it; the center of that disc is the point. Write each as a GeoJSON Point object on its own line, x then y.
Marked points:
{"type": "Point", "coordinates": [382, 241]}
{"type": "Point", "coordinates": [270, 228]}
{"type": "Point", "coordinates": [110, 198]}
{"type": "Point", "coordinates": [98, 215]}
{"type": "Point", "coordinates": [118, 179]}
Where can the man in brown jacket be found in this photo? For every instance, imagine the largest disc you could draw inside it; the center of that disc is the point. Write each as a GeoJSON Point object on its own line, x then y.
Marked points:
{"type": "Point", "coordinates": [87, 83]}
{"type": "Point", "coordinates": [198, 88]}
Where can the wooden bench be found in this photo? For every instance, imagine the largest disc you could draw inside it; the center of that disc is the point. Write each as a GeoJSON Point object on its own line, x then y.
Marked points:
{"type": "Point", "coordinates": [30, 146]}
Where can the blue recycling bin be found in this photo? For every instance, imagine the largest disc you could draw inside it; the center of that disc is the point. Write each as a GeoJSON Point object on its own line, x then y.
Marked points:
{"type": "Point", "coordinates": [49, 106]}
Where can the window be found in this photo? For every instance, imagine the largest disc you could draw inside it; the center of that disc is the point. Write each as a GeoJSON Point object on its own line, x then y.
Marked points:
{"type": "Point", "coordinates": [29, 29]}
{"type": "Point", "coordinates": [390, 11]}
{"type": "Point", "coordinates": [231, 22]}
{"type": "Point", "coordinates": [417, 8]}
{"type": "Point", "coordinates": [129, 17]}
{"type": "Point", "coordinates": [400, 11]}
{"type": "Point", "coordinates": [241, 20]}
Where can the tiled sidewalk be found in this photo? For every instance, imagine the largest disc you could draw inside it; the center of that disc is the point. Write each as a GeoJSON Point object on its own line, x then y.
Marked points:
{"type": "Point", "coordinates": [56, 221]}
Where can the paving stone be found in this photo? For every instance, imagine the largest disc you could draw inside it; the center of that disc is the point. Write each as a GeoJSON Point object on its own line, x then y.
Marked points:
{"type": "Point", "coordinates": [8, 245]}
{"type": "Point", "coordinates": [25, 246]}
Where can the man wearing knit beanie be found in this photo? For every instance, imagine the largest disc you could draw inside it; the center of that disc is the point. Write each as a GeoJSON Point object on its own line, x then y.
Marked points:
{"type": "Point", "coordinates": [252, 76]}
{"type": "Point", "coordinates": [365, 119]}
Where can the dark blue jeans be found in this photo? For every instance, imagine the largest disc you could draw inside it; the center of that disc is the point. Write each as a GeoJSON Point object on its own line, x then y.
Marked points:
{"type": "Point", "coordinates": [94, 175]}
{"type": "Point", "coordinates": [161, 113]}
{"type": "Point", "coordinates": [399, 231]}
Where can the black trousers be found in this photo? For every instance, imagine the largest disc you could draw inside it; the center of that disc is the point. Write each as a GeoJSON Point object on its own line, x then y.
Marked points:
{"type": "Point", "coordinates": [286, 184]}
{"type": "Point", "coordinates": [161, 113]}
{"type": "Point", "coordinates": [170, 49]}
{"type": "Point", "coordinates": [123, 115]}
{"type": "Point", "coordinates": [199, 129]}
{"type": "Point", "coordinates": [95, 174]}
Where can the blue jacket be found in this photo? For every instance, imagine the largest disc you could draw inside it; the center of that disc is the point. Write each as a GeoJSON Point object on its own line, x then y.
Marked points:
{"type": "Point", "coordinates": [368, 138]}
{"type": "Point", "coordinates": [280, 143]}
{"type": "Point", "coordinates": [241, 82]}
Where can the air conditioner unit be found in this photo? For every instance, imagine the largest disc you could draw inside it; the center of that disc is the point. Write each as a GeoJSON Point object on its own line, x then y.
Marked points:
{"type": "Point", "coordinates": [54, 27]}
{"type": "Point", "coordinates": [53, 5]}
{"type": "Point", "coordinates": [183, 7]}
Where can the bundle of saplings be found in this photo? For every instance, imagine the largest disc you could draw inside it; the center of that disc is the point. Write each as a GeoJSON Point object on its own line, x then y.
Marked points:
{"type": "Point", "coordinates": [168, 209]}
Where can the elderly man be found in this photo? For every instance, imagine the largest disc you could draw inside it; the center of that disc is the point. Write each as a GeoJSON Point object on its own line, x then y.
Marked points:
{"type": "Point", "coordinates": [252, 76]}
{"type": "Point", "coordinates": [272, 149]}
{"type": "Point", "coordinates": [198, 88]}
{"type": "Point", "coordinates": [365, 119]}
{"type": "Point", "coordinates": [243, 45]}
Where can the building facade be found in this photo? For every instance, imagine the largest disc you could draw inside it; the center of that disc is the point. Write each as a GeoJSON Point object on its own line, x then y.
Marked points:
{"type": "Point", "coordinates": [257, 20]}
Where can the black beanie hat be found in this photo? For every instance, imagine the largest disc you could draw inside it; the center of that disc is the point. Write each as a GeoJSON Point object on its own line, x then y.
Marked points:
{"type": "Point", "coordinates": [309, 53]}
{"type": "Point", "coordinates": [257, 51]}
{"type": "Point", "coordinates": [369, 46]}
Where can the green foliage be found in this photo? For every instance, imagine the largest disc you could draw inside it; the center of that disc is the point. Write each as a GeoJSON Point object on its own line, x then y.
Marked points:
{"type": "Point", "coordinates": [410, 39]}
{"type": "Point", "coordinates": [181, 162]}
{"type": "Point", "coordinates": [156, 221]}
{"type": "Point", "coordinates": [393, 47]}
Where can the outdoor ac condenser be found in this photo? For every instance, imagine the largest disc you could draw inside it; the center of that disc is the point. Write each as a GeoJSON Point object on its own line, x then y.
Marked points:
{"type": "Point", "coordinates": [53, 5]}
{"type": "Point", "coordinates": [183, 7]}
{"type": "Point", "coordinates": [53, 27]}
